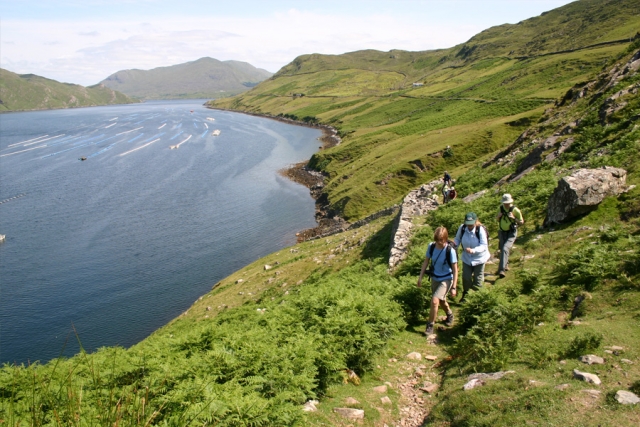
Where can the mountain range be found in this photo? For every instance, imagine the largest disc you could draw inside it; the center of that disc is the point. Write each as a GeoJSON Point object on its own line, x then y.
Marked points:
{"type": "Point", "coordinates": [203, 78]}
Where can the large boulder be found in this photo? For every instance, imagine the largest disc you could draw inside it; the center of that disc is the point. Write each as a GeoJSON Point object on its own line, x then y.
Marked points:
{"type": "Point", "coordinates": [582, 191]}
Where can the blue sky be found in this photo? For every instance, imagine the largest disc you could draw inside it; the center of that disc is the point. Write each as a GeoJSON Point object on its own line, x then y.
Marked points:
{"type": "Point", "coordinates": [84, 41]}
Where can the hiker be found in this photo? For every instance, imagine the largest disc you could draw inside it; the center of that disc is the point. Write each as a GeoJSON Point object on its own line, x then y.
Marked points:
{"type": "Point", "coordinates": [509, 218]}
{"type": "Point", "coordinates": [445, 193]}
{"type": "Point", "coordinates": [447, 178]}
{"type": "Point", "coordinates": [474, 239]}
{"type": "Point", "coordinates": [448, 192]}
{"type": "Point", "coordinates": [444, 275]}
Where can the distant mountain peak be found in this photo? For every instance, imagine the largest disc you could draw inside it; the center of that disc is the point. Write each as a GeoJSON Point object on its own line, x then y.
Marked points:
{"type": "Point", "coordinates": [205, 77]}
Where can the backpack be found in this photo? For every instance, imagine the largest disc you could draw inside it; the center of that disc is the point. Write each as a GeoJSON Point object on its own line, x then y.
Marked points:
{"type": "Point", "coordinates": [513, 225]}
{"type": "Point", "coordinates": [447, 257]}
{"type": "Point", "coordinates": [464, 229]}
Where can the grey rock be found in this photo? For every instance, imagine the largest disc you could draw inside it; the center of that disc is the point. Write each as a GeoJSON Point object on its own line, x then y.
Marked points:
{"type": "Point", "coordinates": [585, 376]}
{"type": "Point", "coordinates": [591, 359]}
{"type": "Point", "coordinates": [627, 398]}
{"type": "Point", "coordinates": [351, 401]}
{"type": "Point", "coordinates": [592, 392]}
{"type": "Point", "coordinates": [310, 406]}
{"type": "Point", "coordinates": [385, 400]}
{"type": "Point", "coordinates": [470, 385]}
{"type": "Point", "coordinates": [414, 355]}
{"type": "Point", "coordinates": [562, 387]}
{"type": "Point", "coordinates": [352, 414]}
{"type": "Point", "coordinates": [583, 191]}
{"type": "Point", "coordinates": [492, 376]}
{"type": "Point", "coordinates": [471, 197]}
{"type": "Point", "coordinates": [429, 387]}
{"type": "Point", "coordinates": [380, 389]}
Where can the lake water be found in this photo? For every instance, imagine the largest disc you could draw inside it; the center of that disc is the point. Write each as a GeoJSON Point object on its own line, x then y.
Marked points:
{"type": "Point", "coordinates": [115, 246]}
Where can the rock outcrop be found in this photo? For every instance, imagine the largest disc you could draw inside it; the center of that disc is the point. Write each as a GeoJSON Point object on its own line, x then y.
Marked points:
{"type": "Point", "coordinates": [417, 202]}
{"type": "Point", "coordinates": [582, 191]}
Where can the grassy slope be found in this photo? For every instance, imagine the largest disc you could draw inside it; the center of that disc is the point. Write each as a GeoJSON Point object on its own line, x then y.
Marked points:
{"type": "Point", "coordinates": [476, 94]}
{"type": "Point", "coordinates": [203, 78]}
{"type": "Point", "coordinates": [330, 306]}
{"type": "Point", "coordinates": [31, 92]}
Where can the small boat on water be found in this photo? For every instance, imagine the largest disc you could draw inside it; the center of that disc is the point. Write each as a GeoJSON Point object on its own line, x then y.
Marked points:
{"type": "Point", "coordinates": [215, 132]}
{"type": "Point", "coordinates": [173, 147]}
{"type": "Point", "coordinates": [83, 158]}
{"type": "Point", "coordinates": [211, 119]}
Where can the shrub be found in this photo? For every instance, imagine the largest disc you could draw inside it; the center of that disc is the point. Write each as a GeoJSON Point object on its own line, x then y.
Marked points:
{"type": "Point", "coordinates": [583, 344]}
{"type": "Point", "coordinates": [495, 324]}
{"type": "Point", "coordinates": [587, 267]}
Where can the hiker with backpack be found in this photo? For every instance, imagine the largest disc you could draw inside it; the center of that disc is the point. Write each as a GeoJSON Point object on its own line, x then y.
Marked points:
{"type": "Point", "coordinates": [474, 239]}
{"type": "Point", "coordinates": [443, 272]}
{"type": "Point", "coordinates": [447, 179]}
{"type": "Point", "coordinates": [509, 218]}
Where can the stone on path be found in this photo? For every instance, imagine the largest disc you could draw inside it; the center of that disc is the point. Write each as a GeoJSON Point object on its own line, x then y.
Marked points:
{"type": "Point", "coordinates": [585, 376]}
{"type": "Point", "coordinates": [385, 400]}
{"type": "Point", "coordinates": [627, 398]}
{"type": "Point", "coordinates": [351, 401]}
{"type": "Point", "coordinates": [414, 355]}
{"type": "Point", "coordinates": [380, 389]}
{"type": "Point", "coordinates": [432, 358]}
{"type": "Point", "coordinates": [473, 384]}
{"type": "Point", "coordinates": [492, 376]}
{"type": "Point", "coordinates": [592, 392]}
{"type": "Point", "coordinates": [591, 359]}
{"type": "Point", "coordinates": [429, 387]}
{"type": "Point", "coordinates": [352, 414]}
{"type": "Point", "coordinates": [310, 406]}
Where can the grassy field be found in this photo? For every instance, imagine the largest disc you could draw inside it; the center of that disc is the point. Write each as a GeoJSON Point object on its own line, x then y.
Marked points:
{"type": "Point", "coordinates": [325, 320]}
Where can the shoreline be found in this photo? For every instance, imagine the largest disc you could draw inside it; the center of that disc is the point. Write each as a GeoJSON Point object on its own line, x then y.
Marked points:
{"type": "Point", "coordinates": [328, 220]}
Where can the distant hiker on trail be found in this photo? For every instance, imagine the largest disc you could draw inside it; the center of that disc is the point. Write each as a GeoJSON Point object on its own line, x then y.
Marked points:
{"type": "Point", "coordinates": [448, 193]}
{"type": "Point", "coordinates": [509, 218]}
{"type": "Point", "coordinates": [447, 178]}
{"type": "Point", "coordinates": [474, 238]}
{"type": "Point", "coordinates": [444, 275]}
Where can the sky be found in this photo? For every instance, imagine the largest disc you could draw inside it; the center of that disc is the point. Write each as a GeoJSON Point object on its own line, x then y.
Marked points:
{"type": "Point", "coordinates": [85, 41]}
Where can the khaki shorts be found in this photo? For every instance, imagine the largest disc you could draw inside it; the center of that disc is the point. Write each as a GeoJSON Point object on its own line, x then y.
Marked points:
{"type": "Point", "coordinates": [440, 289]}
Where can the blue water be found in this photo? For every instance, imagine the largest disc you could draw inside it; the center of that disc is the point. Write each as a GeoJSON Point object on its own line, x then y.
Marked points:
{"type": "Point", "coordinates": [113, 247]}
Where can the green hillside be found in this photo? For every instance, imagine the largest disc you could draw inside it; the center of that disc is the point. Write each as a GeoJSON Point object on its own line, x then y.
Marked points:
{"type": "Point", "coordinates": [204, 78]}
{"type": "Point", "coordinates": [23, 92]}
{"type": "Point", "coordinates": [325, 319]}
{"type": "Point", "coordinates": [476, 97]}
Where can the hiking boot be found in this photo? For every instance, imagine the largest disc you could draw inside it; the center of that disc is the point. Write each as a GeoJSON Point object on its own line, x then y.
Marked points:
{"type": "Point", "coordinates": [429, 330]}
{"type": "Point", "coordinates": [464, 295]}
{"type": "Point", "coordinates": [502, 274]}
{"type": "Point", "coordinates": [449, 321]}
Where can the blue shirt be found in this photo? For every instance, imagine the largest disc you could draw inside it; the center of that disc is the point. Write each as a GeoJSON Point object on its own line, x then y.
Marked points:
{"type": "Point", "coordinates": [442, 271]}
{"type": "Point", "coordinates": [480, 247]}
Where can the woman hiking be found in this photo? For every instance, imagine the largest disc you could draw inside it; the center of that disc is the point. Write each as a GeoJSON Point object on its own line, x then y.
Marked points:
{"type": "Point", "coordinates": [443, 273]}
{"type": "Point", "coordinates": [473, 237]}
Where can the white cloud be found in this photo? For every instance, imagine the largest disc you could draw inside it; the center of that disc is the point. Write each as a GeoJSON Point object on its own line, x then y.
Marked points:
{"type": "Point", "coordinates": [86, 51]}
